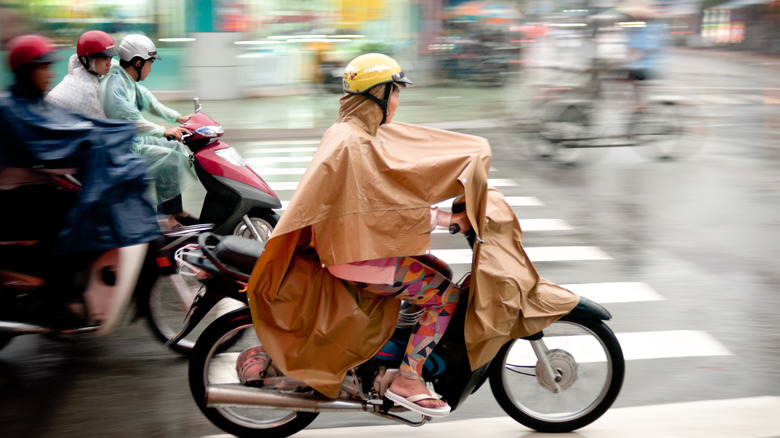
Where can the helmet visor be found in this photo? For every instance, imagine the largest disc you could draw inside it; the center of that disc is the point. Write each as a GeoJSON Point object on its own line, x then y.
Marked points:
{"type": "Point", "coordinates": [153, 54]}
{"type": "Point", "coordinates": [47, 58]}
{"type": "Point", "coordinates": [400, 78]}
{"type": "Point", "coordinates": [112, 51]}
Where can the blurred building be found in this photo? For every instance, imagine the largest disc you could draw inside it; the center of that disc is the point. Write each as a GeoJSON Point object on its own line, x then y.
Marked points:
{"type": "Point", "coordinates": [226, 47]}
{"type": "Point", "coordinates": [743, 24]}
{"type": "Point", "coordinates": [223, 49]}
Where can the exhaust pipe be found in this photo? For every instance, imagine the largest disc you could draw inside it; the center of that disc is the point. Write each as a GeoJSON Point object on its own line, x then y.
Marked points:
{"type": "Point", "coordinates": [240, 396]}
{"type": "Point", "coordinates": [21, 328]}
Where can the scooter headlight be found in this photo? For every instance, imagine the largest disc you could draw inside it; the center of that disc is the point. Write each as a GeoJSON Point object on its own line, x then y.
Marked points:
{"type": "Point", "coordinates": [210, 131]}
{"type": "Point", "coordinates": [231, 155]}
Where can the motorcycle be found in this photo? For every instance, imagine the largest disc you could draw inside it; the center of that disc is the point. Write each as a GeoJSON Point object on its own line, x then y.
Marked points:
{"type": "Point", "coordinates": [558, 380]}
{"type": "Point", "coordinates": [238, 201]}
{"type": "Point", "coordinates": [105, 281]}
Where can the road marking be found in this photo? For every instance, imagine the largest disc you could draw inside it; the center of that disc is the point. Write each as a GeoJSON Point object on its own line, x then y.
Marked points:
{"type": "Point", "coordinates": [536, 254]}
{"type": "Point", "coordinates": [283, 185]}
{"type": "Point", "coordinates": [668, 344]}
{"type": "Point", "coordinates": [750, 417]}
{"type": "Point", "coordinates": [292, 185]}
{"type": "Point", "coordinates": [260, 162]}
{"type": "Point", "coordinates": [280, 171]}
{"type": "Point", "coordinates": [617, 292]}
{"type": "Point", "coordinates": [636, 346]}
{"type": "Point", "coordinates": [501, 182]}
{"type": "Point", "coordinates": [513, 201]}
{"type": "Point", "coordinates": [250, 152]}
{"type": "Point", "coordinates": [544, 225]}
{"type": "Point", "coordinates": [293, 142]}
{"type": "Point", "coordinates": [531, 225]}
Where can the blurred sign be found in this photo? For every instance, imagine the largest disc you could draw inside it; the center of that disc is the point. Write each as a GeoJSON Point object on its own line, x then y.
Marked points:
{"type": "Point", "coordinates": [354, 13]}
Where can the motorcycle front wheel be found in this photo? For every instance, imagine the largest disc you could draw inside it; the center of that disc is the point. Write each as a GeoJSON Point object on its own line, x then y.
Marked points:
{"type": "Point", "coordinates": [213, 362]}
{"type": "Point", "coordinates": [169, 299]}
{"type": "Point", "coordinates": [263, 220]}
{"type": "Point", "coordinates": [588, 360]}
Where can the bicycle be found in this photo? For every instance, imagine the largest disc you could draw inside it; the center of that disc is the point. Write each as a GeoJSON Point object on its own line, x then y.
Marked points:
{"type": "Point", "coordinates": [570, 119]}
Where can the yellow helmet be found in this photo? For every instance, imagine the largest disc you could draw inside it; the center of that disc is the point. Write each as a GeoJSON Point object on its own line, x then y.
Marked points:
{"type": "Point", "coordinates": [372, 69]}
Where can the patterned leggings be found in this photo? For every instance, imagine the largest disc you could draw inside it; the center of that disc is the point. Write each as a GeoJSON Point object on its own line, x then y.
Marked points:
{"type": "Point", "coordinates": [436, 294]}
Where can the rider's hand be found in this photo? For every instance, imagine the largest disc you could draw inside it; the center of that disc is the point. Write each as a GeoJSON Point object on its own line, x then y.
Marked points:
{"type": "Point", "coordinates": [175, 133]}
{"type": "Point", "coordinates": [462, 220]}
{"type": "Point", "coordinates": [183, 119]}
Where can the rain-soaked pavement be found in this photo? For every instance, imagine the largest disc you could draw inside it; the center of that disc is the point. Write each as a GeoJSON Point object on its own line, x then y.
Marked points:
{"type": "Point", "coordinates": [691, 245]}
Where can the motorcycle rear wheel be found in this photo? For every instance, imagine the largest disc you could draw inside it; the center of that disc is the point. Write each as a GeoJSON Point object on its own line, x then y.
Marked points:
{"type": "Point", "coordinates": [214, 362]}
{"type": "Point", "coordinates": [590, 361]}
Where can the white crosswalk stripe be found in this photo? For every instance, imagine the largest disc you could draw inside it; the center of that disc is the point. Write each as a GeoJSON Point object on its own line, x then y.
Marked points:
{"type": "Point", "coordinates": [536, 254]}
{"type": "Point", "coordinates": [292, 185]}
{"type": "Point", "coordinates": [619, 292]}
{"type": "Point", "coordinates": [531, 225]}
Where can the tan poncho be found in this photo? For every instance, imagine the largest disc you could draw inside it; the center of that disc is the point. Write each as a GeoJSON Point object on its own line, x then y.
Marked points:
{"type": "Point", "coordinates": [366, 195]}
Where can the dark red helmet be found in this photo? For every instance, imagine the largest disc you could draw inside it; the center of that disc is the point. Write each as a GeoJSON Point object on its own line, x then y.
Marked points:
{"type": "Point", "coordinates": [30, 49]}
{"type": "Point", "coordinates": [96, 44]}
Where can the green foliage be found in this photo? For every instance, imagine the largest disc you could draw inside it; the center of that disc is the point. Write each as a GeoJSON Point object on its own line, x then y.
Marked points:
{"type": "Point", "coordinates": [376, 48]}
{"type": "Point", "coordinates": [710, 3]}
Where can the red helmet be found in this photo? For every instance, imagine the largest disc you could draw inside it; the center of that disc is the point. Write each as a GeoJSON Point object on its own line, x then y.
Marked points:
{"type": "Point", "coordinates": [96, 44]}
{"type": "Point", "coordinates": [30, 49]}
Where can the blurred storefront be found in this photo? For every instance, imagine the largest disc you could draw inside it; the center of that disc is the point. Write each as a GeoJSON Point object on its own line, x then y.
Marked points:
{"type": "Point", "coordinates": [743, 24]}
{"type": "Point", "coordinates": [249, 44]}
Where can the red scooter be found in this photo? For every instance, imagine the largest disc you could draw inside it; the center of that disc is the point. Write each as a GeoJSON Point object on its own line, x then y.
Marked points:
{"type": "Point", "coordinates": [238, 201]}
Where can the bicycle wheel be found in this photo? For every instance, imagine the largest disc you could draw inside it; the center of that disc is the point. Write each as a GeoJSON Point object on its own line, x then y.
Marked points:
{"type": "Point", "coordinates": [566, 131]}
{"type": "Point", "coordinates": [587, 357]}
{"type": "Point", "coordinates": [214, 362]}
{"type": "Point", "coordinates": [665, 130]}
{"type": "Point", "coordinates": [169, 300]}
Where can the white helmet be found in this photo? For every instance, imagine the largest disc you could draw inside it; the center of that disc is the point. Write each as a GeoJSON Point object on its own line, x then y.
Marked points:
{"type": "Point", "coordinates": [137, 46]}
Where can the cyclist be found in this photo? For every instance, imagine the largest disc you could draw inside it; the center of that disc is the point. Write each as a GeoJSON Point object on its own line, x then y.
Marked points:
{"type": "Point", "coordinates": [646, 41]}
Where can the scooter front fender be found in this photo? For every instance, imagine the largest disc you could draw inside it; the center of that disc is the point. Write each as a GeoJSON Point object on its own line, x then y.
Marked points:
{"type": "Point", "coordinates": [201, 306]}
{"type": "Point", "coordinates": [586, 308]}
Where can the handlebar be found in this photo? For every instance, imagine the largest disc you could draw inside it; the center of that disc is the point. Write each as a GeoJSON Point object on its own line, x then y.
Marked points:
{"type": "Point", "coordinates": [198, 107]}
{"type": "Point", "coordinates": [183, 137]}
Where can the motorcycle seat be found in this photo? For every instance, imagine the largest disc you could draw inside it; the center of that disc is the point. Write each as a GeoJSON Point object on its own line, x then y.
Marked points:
{"type": "Point", "coordinates": [239, 252]}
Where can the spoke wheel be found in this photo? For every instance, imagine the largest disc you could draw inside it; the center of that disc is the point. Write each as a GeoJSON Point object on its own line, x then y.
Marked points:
{"type": "Point", "coordinates": [262, 221]}
{"type": "Point", "coordinates": [214, 362]}
{"type": "Point", "coordinates": [588, 361]}
{"type": "Point", "coordinates": [666, 130]}
{"type": "Point", "coordinates": [168, 306]}
{"type": "Point", "coordinates": [568, 131]}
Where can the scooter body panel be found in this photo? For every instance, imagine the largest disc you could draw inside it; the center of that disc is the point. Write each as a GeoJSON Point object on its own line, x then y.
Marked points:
{"type": "Point", "coordinates": [113, 277]}
{"type": "Point", "coordinates": [222, 160]}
